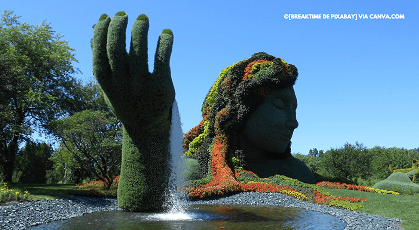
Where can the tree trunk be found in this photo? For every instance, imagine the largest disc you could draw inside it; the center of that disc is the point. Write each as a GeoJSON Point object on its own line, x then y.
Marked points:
{"type": "Point", "coordinates": [8, 171]}
{"type": "Point", "coordinates": [11, 150]}
{"type": "Point", "coordinates": [108, 182]}
{"type": "Point", "coordinates": [9, 163]}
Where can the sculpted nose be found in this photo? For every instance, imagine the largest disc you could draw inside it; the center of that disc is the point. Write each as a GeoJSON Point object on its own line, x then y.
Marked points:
{"type": "Point", "coordinates": [293, 123]}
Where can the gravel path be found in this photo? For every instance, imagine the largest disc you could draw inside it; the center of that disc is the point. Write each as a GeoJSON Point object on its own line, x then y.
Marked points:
{"type": "Point", "coordinates": [24, 215]}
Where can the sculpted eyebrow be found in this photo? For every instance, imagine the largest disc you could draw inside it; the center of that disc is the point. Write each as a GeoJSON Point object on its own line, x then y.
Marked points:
{"type": "Point", "coordinates": [285, 97]}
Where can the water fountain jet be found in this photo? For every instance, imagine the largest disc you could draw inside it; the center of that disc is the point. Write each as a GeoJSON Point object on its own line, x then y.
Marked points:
{"type": "Point", "coordinates": [175, 205]}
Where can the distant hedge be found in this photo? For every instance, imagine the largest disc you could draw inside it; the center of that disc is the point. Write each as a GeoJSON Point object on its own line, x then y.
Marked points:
{"type": "Point", "coordinates": [354, 161]}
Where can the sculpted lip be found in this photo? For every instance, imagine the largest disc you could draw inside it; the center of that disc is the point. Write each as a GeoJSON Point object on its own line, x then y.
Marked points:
{"type": "Point", "coordinates": [285, 137]}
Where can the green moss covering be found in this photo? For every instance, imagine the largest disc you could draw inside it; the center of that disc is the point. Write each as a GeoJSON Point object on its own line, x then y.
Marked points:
{"type": "Point", "coordinates": [103, 17]}
{"type": "Point", "coordinates": [167, 31]}
{"type": "Point", "coordinates": [131, 192]}
{"type": "Point", "coordinates": [142, 105]}
{"type": "Point", "coordinates": [120, 13]}
{"type": "Point", "coordinates": [142, 17]}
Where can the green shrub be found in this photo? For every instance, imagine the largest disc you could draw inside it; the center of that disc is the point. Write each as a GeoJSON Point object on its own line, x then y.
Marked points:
{"type": "Point", "coordinates": [369, 182]}
{"type": "Point", "coordinates": [411, 173]}
{"type": "Point", "coordinates": [16, 176]}
{"type": "Point", "coordinates": [312, 162]}
{"type": "Point", "coordinates": [193, 169]}
{"type": "Point", "coordinates": [358, 165]}
{"type": "Point", "coordinates": [398, 182]}
{"type": "Point", "coordinates": [397, 157]}
{"type": "Point", "coordinates": [346, 163]}
{"type": "Point", "coordinates": [53, 176]}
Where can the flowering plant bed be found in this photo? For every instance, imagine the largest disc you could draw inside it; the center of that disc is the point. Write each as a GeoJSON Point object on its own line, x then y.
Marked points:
{"type": "Point", "coordinates": [96, 189]}
{"type": "Point", "coordinates": [278, 184]}
{"type": "Point", "coordinates": [338, 185]}
{"type": "Point", "coordinates": [7, 194]}
{"type": "Point", "coordinates": [247, 181]}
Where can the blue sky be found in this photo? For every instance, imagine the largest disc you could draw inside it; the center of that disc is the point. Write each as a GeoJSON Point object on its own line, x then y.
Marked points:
{"type": "Point", "coordinates": [358, 79]}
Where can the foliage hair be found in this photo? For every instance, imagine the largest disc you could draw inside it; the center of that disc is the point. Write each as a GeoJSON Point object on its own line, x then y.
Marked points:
{"type": "Point", "coordinates": [229, 103]}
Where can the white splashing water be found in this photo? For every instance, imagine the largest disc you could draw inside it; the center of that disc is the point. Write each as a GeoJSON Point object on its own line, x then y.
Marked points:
{"type": "Point", "coordinates": [176, 202]}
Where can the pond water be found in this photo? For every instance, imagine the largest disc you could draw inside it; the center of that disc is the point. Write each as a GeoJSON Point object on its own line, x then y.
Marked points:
{"type": "Point", "coordinates": [204, 217]}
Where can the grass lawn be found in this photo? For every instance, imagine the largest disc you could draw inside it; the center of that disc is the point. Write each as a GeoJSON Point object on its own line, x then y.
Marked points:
{"type": "Point", "coordinates": [403, 207]}
{"type": "Point", "coordinates": [43, 191]}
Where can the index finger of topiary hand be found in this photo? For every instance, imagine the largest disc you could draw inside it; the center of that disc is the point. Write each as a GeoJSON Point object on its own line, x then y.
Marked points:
{"type": "Point", "coordinates": [116, 46]}
{"type": "Point", "coordinates": [138, 48]}
{"type": "Point", "coordinates": [101, 67]}
{"type": "Point", "coordinates": [162, 57]}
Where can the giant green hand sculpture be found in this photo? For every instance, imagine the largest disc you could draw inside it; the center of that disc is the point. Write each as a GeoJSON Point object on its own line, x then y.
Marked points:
{"type": "Point", "coordinates": [142, 101]}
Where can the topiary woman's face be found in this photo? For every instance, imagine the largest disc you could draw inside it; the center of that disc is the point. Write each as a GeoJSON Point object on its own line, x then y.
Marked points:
{"type": "Point", "coordinates": [270, 127]}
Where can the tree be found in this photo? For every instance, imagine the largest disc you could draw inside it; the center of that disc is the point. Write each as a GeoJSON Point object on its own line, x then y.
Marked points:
{"type": "Point", "coordinates": [348, 162]}
{"type": "Point", "coordinates": [397, 157]}
{"type": "Point", "coordinates": [95, 141]}
{"type": "Point", "coordinates": [86, 97]}
{"type": "Point", "coordinates": [312, 162]}
{"type": "Point", "coordinates": [34, 161]}
{"type": "Point", "coordinates": [315, 153]}
{"type": "Point", "coordinates": [91, 98]}
{"type": "Point", "coordinates": [35, 82]}
{"type": "Point", "coordinates": [66, 166]}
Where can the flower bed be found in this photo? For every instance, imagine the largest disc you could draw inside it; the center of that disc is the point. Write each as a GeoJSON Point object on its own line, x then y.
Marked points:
{"type": "Point", "coordinates": [7, 194]}
{"type": "Point", "coordinates": [277, 184]}
{"type": "Point", "coordinates": [338, 185]}
{"type": "Point", "coordinates": [96, 189]}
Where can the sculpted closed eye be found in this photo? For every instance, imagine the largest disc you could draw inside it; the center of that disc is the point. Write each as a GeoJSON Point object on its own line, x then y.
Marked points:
{"type": "Point", "coordinates": [278, 103]}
